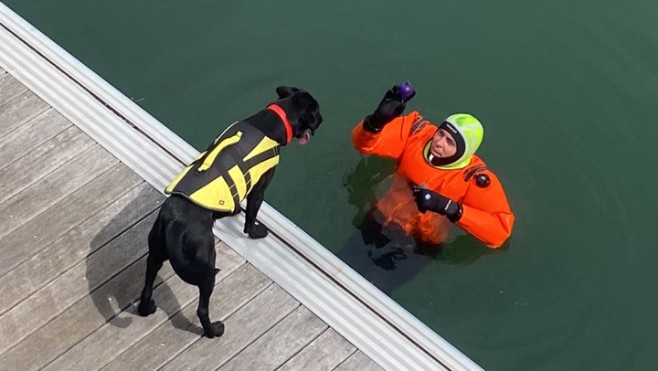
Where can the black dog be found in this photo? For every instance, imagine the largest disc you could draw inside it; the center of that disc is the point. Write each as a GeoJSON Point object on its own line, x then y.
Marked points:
{"type": "Point", "coordinates": [240, 163]}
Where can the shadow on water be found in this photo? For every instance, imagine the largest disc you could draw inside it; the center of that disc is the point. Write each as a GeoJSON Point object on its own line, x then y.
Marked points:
{"type": "Point", "coordinates": [363, 182]}
{"type": "Point", "coordinates": [388, 257]}
{"type": "Point", "coordinates": [116, 266]}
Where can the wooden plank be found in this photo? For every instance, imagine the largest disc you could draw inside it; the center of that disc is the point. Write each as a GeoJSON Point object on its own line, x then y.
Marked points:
{"type": "Point", "coordinates": [280, 343]}
{"type": "Point", "coordinates": [31, 135]}
{"type": "Point", "coordinates": [325, 353]}
{"type": "Point", "coordinates": [70, 246]}
{"type": "Point", "coordinates": [19, 110]}
{"type": "Point", "coordinates": [42, 160]}
{"type": "Point", "coordinates": [51, 189]}
{"type": "Point", "coordinates": [28, 316]}
{"type": "Point", "coordinates": [359, 361]}
{"type": "Point", "coordinates": [253, 320]}
{"type": "Point", "coordinates": [65, 330]}
{"type": "Point", "coordinates": [169, 339]}
{"type": "Point", "coordinates": [125, 330]}
{"type": "Point", "coordinates": [9, 88]}
{"type": "Point", "coordinates": [64, 215]}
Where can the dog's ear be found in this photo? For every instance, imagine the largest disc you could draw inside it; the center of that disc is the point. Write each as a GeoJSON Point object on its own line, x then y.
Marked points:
{"type": "Point", "coordinates": [286, 91]}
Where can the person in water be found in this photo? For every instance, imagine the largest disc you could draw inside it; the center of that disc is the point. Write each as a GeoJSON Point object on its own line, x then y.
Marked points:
{"type": "Point", "coordinates": [438, 179]}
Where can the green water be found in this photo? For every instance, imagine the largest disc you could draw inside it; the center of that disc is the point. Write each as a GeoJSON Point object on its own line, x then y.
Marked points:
{"type": "Point", "coordinates": [566, 91]}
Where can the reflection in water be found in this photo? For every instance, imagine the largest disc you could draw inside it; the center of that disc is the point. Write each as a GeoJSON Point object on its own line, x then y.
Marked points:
{"type": "Point", "coordinates": [363, 181]}
{"type": "Point", "coordinates": [386, 255]}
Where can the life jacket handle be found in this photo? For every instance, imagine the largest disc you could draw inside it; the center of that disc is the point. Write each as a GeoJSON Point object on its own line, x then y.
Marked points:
{"type": "Point", "coordinates": [207, 162]}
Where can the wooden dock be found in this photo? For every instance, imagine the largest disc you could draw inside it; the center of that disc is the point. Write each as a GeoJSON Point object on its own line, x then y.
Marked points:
{"type": "Point", "coordinates": [73, 228]}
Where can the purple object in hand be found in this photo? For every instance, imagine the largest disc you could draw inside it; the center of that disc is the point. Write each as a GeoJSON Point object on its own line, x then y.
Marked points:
{"type": "Point", "coordinates": [405, 90]}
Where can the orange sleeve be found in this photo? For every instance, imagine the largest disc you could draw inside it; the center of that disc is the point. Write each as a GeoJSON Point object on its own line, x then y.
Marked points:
{"type": "Point", "coordinates": [486, 213]}
{"type": "Point", "coordinates": [389, 142]}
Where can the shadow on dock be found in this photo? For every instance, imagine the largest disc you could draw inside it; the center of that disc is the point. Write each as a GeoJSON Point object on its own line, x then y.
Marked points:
{"type": "Point", "coordinates": [121, 246]}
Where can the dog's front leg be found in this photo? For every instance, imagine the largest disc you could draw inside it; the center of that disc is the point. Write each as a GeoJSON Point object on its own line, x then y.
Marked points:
{"type": "Point", "coordinates": [254, 201]}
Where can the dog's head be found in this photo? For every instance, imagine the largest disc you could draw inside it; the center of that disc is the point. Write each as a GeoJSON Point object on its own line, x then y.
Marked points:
{"type": "Point", "coordinates": [303, 111]}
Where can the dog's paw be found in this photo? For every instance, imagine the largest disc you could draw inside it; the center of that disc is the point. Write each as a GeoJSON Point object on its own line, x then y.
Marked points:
{"type": "Point", "coordinates": [146, 308]}
{"type": "Point", "coordinates": [217, 330]}
{"type": "Point", "coordinates": [256, 231]}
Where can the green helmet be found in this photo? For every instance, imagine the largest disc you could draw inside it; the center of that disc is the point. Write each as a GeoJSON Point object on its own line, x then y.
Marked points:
{"type": "Point", "coordinates": [468, 133]}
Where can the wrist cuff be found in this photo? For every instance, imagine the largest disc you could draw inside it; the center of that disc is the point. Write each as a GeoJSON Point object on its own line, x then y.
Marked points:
{"type": "Point", "coordinates": [457, 214]}
{"type": "Point", "coordinates": [367, 125]}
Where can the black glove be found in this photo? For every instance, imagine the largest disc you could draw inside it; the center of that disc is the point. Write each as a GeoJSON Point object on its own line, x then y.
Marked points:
{"type": "Point", "coordinates": [389, 108]}
{"type": "Point", "coordinates": [432, 201]}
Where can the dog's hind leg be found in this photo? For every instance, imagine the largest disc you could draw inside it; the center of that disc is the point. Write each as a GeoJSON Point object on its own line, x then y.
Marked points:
{"type": "Point", "coordinates": [146, 303]}
{"type": "Point", "coordinates": [205, 290]}
{"type": "Point", "coordinates": [153, 264]}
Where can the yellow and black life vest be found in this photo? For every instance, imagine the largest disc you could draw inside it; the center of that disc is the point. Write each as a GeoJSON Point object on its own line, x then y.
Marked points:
{"type": "Point", "coordinates": [222, 176]}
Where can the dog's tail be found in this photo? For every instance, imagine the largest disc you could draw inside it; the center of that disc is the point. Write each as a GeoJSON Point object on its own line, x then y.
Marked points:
{"type": "Point", "coordinates": [189, 254]}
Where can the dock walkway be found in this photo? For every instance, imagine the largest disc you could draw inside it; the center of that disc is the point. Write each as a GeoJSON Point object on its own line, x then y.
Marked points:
{"type": "Point", "coordinates": [73, 227]}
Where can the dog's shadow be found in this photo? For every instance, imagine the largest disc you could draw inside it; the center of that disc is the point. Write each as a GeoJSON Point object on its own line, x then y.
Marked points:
{"type": "Point", "coordinates": [116, 264]}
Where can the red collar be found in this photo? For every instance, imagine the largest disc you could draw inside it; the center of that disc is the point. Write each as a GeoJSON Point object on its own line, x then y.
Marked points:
{"type": "Point", "coordinates": [282, 114]}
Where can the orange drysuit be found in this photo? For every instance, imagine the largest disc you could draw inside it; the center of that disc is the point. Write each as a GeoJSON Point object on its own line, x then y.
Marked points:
{"type": "Point", "coordinates": [486, 212]}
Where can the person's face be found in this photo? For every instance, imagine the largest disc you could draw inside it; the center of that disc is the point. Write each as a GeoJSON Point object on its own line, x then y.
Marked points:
{"type": "Point", "coordinates": [443, 145]}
